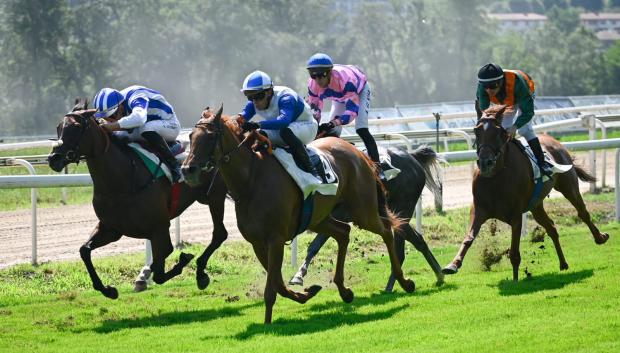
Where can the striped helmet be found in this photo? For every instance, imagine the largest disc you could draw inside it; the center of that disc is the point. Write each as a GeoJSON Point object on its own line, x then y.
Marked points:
{"type": "Point", "coordinates": [106, 102]}
{"type": "Point", "coordinates": [257, 81]}
{"type": "Point", "coordinates": [319, 61]}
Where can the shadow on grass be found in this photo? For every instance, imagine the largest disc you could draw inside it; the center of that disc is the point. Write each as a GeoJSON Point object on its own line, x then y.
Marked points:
{"type": "Point", "coordinates": [172, 318]}
{"type": "Point", "coordinates": [539, 283]}
{"type": "Point", "coordinates": [333, 314]}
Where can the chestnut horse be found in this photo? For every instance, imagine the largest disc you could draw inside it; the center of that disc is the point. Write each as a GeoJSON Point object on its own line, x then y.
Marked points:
{"type": "Point", "coordinates": [268, 202]}
{"type": "Point", "coordinates": [503, 185]}
{"type": "Point", "coordinates": [129, 201]}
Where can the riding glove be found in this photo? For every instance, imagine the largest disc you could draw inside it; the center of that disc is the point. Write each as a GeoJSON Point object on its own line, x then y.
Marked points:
{"type": "Point", "coordinates": [250, 126]}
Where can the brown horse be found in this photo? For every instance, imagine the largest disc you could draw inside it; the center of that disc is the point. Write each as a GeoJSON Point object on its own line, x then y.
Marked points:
{"type": "Point", "coordinates": [503, 185]}
{"type": "Point", "coordinates": [268, 202]}
{"type": "Point", "coordinates": [129, 201]}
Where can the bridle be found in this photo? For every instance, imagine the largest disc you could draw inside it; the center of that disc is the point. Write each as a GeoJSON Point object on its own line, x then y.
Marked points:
{"type": "Point", "coordinates": [495, 151]}
{"type": "Point", "coordinates": [74, 155]}
{"type": "Point", "coordinates": [216, 142]}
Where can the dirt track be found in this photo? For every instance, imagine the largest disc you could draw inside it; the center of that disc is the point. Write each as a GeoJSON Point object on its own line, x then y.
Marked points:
{"type": "Point", "coordinates": [62, 230]}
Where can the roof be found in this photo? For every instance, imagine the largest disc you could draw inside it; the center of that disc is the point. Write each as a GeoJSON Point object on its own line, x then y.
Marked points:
{"type": "Point", "coordinates": [517, 16]}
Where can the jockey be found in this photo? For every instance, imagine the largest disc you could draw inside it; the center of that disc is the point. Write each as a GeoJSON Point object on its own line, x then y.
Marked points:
{"type": "Point", "coordinates": [515, 89]}
{"type": "Point", "coordinates": [346, 86]}
{"type": "Point", "coordinates": [141, 114]}
{"type": "Point", "coordinates": [282, 115]}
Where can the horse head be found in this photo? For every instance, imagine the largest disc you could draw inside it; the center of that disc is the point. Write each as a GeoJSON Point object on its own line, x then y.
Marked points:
{"type": "Point", "coordinates": [491, 140]}
{"type": "Point", "coordinates": [74, 137]}
{"type": "Point", "coordinates": [206, 147]}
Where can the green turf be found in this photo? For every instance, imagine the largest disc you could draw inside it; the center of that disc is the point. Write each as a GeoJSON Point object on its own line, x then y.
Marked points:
{"type": "Point", "coordinates": [52, 307]}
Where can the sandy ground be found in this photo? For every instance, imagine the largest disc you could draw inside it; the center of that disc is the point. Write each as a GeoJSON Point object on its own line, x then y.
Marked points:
{"type": "Point", "coordinates": [61, 230]}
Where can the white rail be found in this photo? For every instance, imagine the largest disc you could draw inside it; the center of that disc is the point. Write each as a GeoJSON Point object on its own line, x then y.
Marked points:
{"type": "Point", "coordinates": [40, 181]}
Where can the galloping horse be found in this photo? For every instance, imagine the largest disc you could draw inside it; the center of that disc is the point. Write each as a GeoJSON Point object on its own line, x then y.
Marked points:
{"type": "Point", "coordinates": [417, 170]}
{"type": "Point", "coordinates": [268, 202]}
{"type": "Point", "coordinates": [129, 201]}
{"type": "Point", "coordinates": [503, 186]}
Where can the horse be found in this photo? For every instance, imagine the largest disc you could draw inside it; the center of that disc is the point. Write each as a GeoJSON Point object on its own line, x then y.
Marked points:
{"type": "Point", "coordinates": [129, 201]}
{"type": "Point", "coordinates": [503, 187]}
{"type": "Point", "coordinates": [268, 202]}
{"type": "Point", "coordinates": [417, 170]}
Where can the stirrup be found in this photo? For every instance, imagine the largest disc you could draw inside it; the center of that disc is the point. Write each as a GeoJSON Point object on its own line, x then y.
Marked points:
{"type": "Point", "coordinates": [546, 169]}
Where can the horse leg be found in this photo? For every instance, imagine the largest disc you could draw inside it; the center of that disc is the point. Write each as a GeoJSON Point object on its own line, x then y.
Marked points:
{"type": "Point", "coordinates": [571, 192]}
{"type": "Point", "coordinates": [399, 246]}
{"type": "Point", "coordinates": [100, 236]}
{"type": "Point", "coordinates": [515, 255]}
{"type": "Point", "coordinates": [313, 249]}
{"type": "Point", "coordinates": [275, 282]}
{"type": "Point", "coordinates": [340, 232]}
{"type": "Point", "coordinates": [162, 248]}
{"type": "Point", "coordinates": [475, 222]}
{"type": "Point", "coordinates": [543, 219]}
{"type": "Point", "coordinates": [415, 238]}
{"type": "Point", "coordinates": [219, 236]}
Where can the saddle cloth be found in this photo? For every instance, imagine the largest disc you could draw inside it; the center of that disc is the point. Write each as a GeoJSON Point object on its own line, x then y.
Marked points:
{"type": "Point", "coordinates": [389, 170]}
{"type": "Point", "coordinates": [152, 161]}
{"type": "Point", "coordinates": [307, 182]}
{"type": "Point", "coordinates": [556, 168]}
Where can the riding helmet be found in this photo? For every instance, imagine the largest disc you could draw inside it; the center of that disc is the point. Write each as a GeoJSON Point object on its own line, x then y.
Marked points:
{"type": "Point", "coordinates": [257, 81]}
{"type": "Point", "coordinates": [106, 102]}
{"type": "Point", "coordinates": [490, 72]}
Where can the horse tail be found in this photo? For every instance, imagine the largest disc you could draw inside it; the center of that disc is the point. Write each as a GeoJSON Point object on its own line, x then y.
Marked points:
{"type": "Point", "coordinates": [431, 164]}
{"type": "Point", "coordinates": [582, 174]}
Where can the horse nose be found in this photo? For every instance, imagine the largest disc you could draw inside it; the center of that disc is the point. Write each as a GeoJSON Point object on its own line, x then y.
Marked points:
{"type": "Point", "coordinates": [54, 161]}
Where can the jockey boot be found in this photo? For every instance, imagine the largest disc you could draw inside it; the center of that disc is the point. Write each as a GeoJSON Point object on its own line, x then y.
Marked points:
{"type": "Point", "coordinates": [159, 144]}
{"type": "Point", "coordinates": [545, 168]}
{"type": "Point", "coordinates": [371, 148]}
{"type": "Point", "coordinates": [298, 150]}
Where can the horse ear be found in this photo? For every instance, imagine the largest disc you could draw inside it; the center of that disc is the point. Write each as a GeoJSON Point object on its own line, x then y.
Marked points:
{"type": "Point", "coordinates": [218, 114]}
{"type": "Point", "coordinates": [478, 111]}
{"type": "Point", "coordinates": [500, 114]}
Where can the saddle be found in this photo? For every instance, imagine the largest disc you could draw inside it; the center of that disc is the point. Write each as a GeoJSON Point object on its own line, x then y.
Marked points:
{"type": "Point", "coordinates": [524, 147]}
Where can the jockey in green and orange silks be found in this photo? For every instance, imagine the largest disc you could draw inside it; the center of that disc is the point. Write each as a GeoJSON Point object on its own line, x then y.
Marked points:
{"type": "Point", "coordinates": [515, 90]}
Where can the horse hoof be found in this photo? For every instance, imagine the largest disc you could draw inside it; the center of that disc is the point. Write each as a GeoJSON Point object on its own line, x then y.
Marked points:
{"type": "Point", "coordinates": [450, 269]}
{"type": "Point", "coordinates": [203, 281]}
{"type": "Point", "coordinates": [140, 286]}
{"type": "Point", "coordinates": [296, 281]}
{"type": "Point", "coordinates": [185, 258]}
{"type": "Point", "coordinates": [408, 285]}
{"type": "Point", "coordinates": [110, 292]}
{"type": "Point", "coordinates": [563, 266]}
{"type": "Point", "coordinates": [602, 239]}
{"type": "Point", "coordinates": [313, 290]}
{"type": "Point", "coordinates": [440, 279]}
{"type": "Point", "coordinates": [347, 295]}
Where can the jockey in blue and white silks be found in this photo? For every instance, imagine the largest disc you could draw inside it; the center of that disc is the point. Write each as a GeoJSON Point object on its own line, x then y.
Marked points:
{"type": "Point", "coordinates": [140, 114]}
{"type": "Point", "coordinates": [281, 114]}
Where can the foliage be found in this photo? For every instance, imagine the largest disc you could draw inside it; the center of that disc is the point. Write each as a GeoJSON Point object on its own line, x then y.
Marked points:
{"type": "Point", "coordinates": [197, 53]}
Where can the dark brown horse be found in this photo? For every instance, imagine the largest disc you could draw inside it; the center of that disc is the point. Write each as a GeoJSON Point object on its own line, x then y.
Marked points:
{"type": "Point", "coordinates": [129, 201]}
{"type": "Point", "coordinates": [503, 185]}
{"type": "Point", "coordinates": [268, 202]}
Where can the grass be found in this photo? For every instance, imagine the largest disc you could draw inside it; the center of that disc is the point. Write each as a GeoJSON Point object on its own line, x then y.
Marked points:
{"type": "Point", "coordinates": [52, 307]}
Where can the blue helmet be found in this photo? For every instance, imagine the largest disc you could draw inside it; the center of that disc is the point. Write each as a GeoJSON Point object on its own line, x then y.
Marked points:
{"type": "Point", "coordinates": [257, 81]}
{"type": "Point", "coordinates": [319, 61]}
{"type": "Point", "coordinates": [106, 102]}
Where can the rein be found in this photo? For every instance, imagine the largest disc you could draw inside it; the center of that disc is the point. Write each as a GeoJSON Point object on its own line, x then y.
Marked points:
{"type": "Point", "coordinates": [76, 156]}
{"type": "Point", "coordinates": [225, 158]}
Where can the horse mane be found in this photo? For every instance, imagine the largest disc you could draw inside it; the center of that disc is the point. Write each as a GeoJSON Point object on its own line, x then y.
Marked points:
{"type": "Point", "coordinates": [493, 110]}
